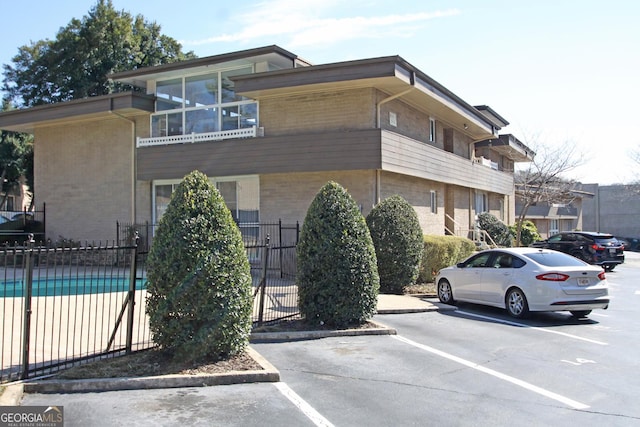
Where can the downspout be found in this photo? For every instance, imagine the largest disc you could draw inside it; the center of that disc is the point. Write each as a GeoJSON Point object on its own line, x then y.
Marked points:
{"type": "Point", "coordinates": [133, 163]}
{"type": "Point", "coordinates": [378, 126]}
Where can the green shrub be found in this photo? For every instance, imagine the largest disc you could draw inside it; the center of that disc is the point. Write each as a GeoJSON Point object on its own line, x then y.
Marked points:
{"type": "Point", "coordinates": [528, 234]}
{"type": "Point", "coordinates": [199, 280]}
{"type": "Point", "coordinates": [337, 275]}
{"type": "Point", "coordinates": [495, 228]}
{"type": "Point", "coordinates": [442, 251]}
{"type": "Point", "coordinates": [397, 238]}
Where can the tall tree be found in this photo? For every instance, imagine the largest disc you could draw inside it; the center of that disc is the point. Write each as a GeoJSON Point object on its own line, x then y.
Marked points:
{"type": "Point", "coordinates": [76, 63]}
{"type": "Point", "coordinates": [543, 180]}
{"type": "Point", "coordinates": [16, 160]}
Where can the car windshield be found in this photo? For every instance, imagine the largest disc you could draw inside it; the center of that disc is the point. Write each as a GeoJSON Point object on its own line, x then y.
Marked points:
{"type": "Point", "coordinates": [554, 259]}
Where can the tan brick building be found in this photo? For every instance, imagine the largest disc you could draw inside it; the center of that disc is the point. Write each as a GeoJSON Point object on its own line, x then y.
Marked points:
{"type": "Point", "coordinates": [269, 129]}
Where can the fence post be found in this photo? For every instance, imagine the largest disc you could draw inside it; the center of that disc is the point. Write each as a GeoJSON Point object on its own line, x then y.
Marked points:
{"type": "Point", "coordinates": [28, 291]}
{"type": "Point", "coordinates": [131, 296]}
{"type": "Point", "coordinates": [263, 281]}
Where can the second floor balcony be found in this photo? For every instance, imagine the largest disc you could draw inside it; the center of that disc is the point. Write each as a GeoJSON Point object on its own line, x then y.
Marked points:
{"type": "Point", "coordinates": [192, 138]}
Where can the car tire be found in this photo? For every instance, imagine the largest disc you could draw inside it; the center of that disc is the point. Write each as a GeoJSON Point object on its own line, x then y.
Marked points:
{"type": "Point", "coordinates": [609, 267]}
{"type": "Point", "coordinates": [516, 303]}
{"type": "Point", "coordinates": [445, 294]}
{"type": "Point", "coordinates": [580, 313]}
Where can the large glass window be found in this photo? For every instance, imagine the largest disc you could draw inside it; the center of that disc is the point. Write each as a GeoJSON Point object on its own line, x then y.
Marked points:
{"type": "Point", "coordinates": [208, 103]}
{"type": "Point", "coordinates": [241, 195]}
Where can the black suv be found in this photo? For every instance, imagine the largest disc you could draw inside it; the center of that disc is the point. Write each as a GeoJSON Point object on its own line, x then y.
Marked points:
{"type": "Point", "coordinates": [595, 248]}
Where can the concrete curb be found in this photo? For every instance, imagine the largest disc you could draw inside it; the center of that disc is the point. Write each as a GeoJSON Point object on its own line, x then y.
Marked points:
{"type": "Point", "coordinates": [379, 329]}
{"type": "Point", "coordinates": [11, 394]}
{"type": "Point", "coordinates": [268, 374]}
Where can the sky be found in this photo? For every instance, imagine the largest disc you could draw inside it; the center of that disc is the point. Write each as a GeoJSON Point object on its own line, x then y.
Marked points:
{"type": "Point", "coordinates": [563, 73]}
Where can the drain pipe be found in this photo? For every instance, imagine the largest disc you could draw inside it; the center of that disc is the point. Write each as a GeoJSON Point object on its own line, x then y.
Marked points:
{"type": "Point", "coordinates": [133, 163]}
{"type": "Point", "coordinates": [378, 126]}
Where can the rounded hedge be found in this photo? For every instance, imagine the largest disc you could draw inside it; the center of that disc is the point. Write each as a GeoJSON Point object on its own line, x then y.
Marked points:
{"type": "Point", "coordinates": [337, 274]}
{"type": "Point", "coordinates": [199, 297]}
{"type": "Point", "coordinates": [398, 240]}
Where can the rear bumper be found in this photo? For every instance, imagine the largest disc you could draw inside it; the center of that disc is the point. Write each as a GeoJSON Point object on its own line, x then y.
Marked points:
{"type": "Point", "coordinates": [580, 305]}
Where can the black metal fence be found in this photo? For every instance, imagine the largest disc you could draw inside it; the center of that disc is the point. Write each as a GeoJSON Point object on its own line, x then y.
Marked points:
{"type": "Point", "coordinates": [60, 306]}
{"type": "Point", "coordinates": [17, 226]}
{"type": "Point", "coordinates": [63, 305]}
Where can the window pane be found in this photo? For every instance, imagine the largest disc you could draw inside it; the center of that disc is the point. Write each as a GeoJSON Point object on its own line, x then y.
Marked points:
{"type": "Point", "coordinates": [175, 124]}
{"type": "Point", "coordinates": [201, 90]}
{"type": "Point", "coordinates": [248, 115]}
{"type": "Point", "coordinates": [159, 125]}
{"type": "Point", "coordinates": [169, 93]}
{"type": "Point", "coordinates": [228, 192]}
{"type": "Point", "coordinates": [163, 196]}
{"type": "Point", "coordinates": [201, 121]}
{"type": "Point", "coordinates": [228, 90]}
{"type": "Point", "coordinates": [230, 118]}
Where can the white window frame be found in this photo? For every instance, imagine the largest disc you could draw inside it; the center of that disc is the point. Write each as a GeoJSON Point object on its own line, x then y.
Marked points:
{"type": "Point", "coordinates": [433, 195]}
{"type": "Point", "coordinates": [432, 129]}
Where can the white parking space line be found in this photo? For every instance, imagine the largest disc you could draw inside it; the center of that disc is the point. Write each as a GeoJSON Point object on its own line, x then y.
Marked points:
{"type": "Point", "coordinates": [522, 325]}
{"type": "Point", "coordinates": [546, 393]}
{"type": "Point", "coordinates": [301, 404]}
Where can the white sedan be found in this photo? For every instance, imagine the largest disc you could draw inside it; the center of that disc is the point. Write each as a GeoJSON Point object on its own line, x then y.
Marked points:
{"type": "Point", "coordinates": [525, 279]}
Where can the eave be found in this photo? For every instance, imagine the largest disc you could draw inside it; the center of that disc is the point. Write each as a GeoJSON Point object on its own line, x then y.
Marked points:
{"type": "Point", "coordinates": [509, 146]}
{"type": "Point", "coordinates": [128, 104]}
{"type": "Point", "coordinates": [391, 75]}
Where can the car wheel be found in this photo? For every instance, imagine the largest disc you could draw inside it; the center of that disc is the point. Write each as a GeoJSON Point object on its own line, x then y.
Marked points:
{"type": "Point", "coordinates": [445, 294]}
{"type": "Point", "coordinates": [582, 256]}
{"type": "Point", "coordinates": [516, 303]}
{"type": "Point", "coordinates": [580, 313]}
{"type": "Point", "coordinates": [609, 267]}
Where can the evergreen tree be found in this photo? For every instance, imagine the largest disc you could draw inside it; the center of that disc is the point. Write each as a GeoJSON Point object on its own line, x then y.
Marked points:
{"type": "Point", "coordinates": [337, 274]}
{"type": "Point", "coordinates": [199, 280]}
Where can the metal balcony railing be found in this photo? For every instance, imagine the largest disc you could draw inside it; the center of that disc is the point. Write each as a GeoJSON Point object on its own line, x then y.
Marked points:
{"type": "Point", "coordinates": [191, 138]}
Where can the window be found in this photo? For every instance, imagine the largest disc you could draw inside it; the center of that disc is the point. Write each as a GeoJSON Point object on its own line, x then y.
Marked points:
{"type": "Point", "coordinates": [202, 104]}
{"type": "Point", "coordinates": [434, 202]}
{"type": "Point", "coordinates": [554, 226]}
{"type": "Point", "coordinates": [393, 119]}
{"type": "Point", "coordinates": [481, 203]}
{"type": "Point", "coordinates": [241, 195]}
{"type": "Point", "coordinates": [432, 130]}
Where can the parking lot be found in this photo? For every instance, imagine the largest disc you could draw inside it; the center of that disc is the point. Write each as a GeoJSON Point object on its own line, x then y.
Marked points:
{"type": "Point", "coordinates": [473, 366]}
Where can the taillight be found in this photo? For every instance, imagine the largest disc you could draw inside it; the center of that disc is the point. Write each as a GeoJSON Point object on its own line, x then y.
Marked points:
{"type": "Point", "coordinates": [596, 247]}
{"type": "Point", "coordinates": [553, 277]}
{"type": "Point", "coordinates": [601, 275]}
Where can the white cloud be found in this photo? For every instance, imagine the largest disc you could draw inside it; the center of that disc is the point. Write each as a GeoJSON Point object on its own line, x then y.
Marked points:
{"type": "Point", "coordinates": [306, 23]}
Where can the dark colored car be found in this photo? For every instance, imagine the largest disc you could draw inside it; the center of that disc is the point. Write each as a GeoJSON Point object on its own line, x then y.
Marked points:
{"type": "Point", "coordinates": [595, 248]}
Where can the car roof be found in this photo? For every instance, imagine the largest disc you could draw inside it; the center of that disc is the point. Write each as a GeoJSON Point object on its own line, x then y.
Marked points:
{"type": "Point", "coordinates": [519, 251]}
{"type": "Point", "coordinates": [589, 233]}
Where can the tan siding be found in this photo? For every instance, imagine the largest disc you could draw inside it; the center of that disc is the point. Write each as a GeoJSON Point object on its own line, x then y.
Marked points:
{"type": "Point", "coordinates": [417, 192]}
{"type": "Point", "coordinates": [403, 155]}
{"type": "Point", "coordinates": [89, 168]}
{"type": "Point", "coordinates": [318, 112]}
{"type": "Point", "coordinates": [288, 196]}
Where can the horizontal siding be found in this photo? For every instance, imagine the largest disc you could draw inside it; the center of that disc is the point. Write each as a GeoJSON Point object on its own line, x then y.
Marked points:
{"type": "Point", "coordinates": [409, 157]}
{"type": "Point", "coordinates": [300, 153]}
{"type": "Point", "coordinates": [332, 151]}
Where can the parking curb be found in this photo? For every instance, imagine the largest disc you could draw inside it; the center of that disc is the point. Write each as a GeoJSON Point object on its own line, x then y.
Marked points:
{"type": "Point", "coordinates": [268, 374]}
{"type": "Point", "coordinates": [378, 329]}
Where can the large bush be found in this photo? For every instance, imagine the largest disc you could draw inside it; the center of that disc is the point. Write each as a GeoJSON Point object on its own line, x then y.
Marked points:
{"type": "Point", "coordinates": [199, 280]}
{"type": "Point", "coordinates": [495, 228]}
{"type": "Point", "coordinates": [397, 238]}
{"type": "Point", "coordinates": [337, 274]}
{"type": "Point", "coordinates": [528, 233]}
{"type": "Point", "coordinates": [443, 251]}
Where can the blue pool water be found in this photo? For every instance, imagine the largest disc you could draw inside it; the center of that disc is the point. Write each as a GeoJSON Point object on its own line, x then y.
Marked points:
{"type": "Point", "coordinates": [69, 286]}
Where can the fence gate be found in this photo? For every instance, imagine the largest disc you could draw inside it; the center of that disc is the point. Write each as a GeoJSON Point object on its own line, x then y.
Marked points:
{"type": "Point", "coordinates": [64, 305]}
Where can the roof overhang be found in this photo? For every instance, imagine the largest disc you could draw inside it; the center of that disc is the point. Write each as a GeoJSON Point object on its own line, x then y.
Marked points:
{"type": "Point", "coordinates": [127, 104]}
{"type": "Point", "coordinates": [391, 75]}
{"type": "Point", "coordinates": [274, 55]}
{"type": "Point", "coordinates": [509, 146]}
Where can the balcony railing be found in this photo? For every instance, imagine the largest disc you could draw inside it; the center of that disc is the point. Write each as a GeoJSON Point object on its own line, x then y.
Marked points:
{"type": "Point", "coordinates": [486, 162]}
{"type": "Point", "coordinates": [251, 132]}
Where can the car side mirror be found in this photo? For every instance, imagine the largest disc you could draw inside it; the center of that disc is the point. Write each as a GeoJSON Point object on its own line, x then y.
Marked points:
{"type": "Point", "coordinates": [460, 265]}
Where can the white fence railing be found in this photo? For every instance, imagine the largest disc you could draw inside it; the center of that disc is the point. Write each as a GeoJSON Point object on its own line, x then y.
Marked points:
{"type": "Point", "coordinates": [251, 132]}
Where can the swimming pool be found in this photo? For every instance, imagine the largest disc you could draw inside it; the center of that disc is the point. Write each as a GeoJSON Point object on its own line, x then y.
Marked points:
{"type": "Point", "coordinates": [63, 286]}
